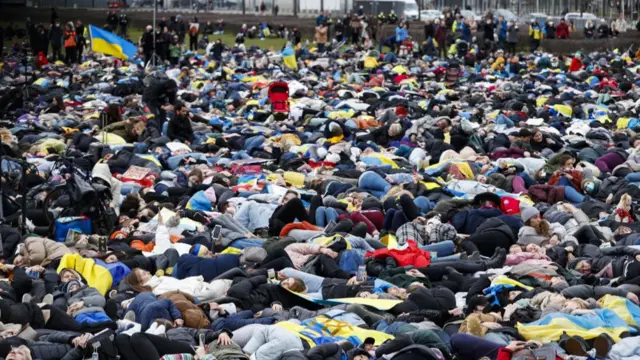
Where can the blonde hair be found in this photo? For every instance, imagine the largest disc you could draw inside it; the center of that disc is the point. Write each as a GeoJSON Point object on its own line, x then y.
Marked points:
{"type": "Point", "coordinates": [395, 128]}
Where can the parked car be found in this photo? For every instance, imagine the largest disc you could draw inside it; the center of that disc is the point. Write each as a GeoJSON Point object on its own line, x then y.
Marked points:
{"type": "Point", "coordinates": [431, 14]}
{"type": "Point", "coordinates": [577, 15]}
{"type": "Point", "coordinates": [539, 17]}
{"type": "Point", "coordinates": [468, 14]}
{"type": "Point", "coordinates": [508, 15]}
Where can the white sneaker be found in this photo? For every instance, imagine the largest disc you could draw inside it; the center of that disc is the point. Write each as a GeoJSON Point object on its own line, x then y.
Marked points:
{"type": "Point", "coordinates": [152, 329]}
{"type": "Point", "coordinates": [161, 330]}
{"type": "Point", "coordinates": [134, 330]}
{"type": "Point", "coordinates": [48, 299]}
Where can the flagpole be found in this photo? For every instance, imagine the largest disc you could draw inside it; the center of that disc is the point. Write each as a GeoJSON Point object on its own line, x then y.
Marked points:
{"type": "Point", "coordinates": [153, 57]}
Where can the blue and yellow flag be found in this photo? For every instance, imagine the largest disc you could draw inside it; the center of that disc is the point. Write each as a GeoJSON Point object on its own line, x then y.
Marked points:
{"type": "Point", "coordinates": [110, 44]}
{"type": "Point", "coordinates": [289, 58]}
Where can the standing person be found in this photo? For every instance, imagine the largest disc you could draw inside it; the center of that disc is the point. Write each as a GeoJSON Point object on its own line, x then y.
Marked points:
{"type": "Point", "coordinates": [354, 25]}
{"type": "Point", "coordinates": [550, 28]}
{"type": "Point", "coordinates": [590, 30]}
{"type": "Point", "coordinates": [80, 32]}
{"type": "Point", "coordinates": [339, 31]}
{"type": "Point", "coordinates": [401, 34]}
{"type": "Point", "coordinates": [297, 36]}
{"type": "Point", "coordinates": [54, 16]}
{"type": "Point", "coordinates": [488, 29]}
{"type": "Point", "coordinates": [603, 29]}
{"type": "Point", "coordinates": [55, 38]}
{"type": "Point", "coordinates": [321, 37]}
{"type": "Point", "coordinates": [181, 30]}
{"type": "Point", "coordinates": [146, 43]}
{"type": "Point", "coordinates": [502, 32]}
{"type": "Point", "coordinates": [112, 21]}
{"type": "Point", "coordinates": [70, 44]}
{"type": "Point", "coordinates": [535, 35]}
{"type": "Point", "coordinates": [512, 37]}
{"type": "Point", "coordinates": [124, 23]}
{"type": "Point", "coordinates": [441, 39]}
{"type": "Point", "coordinates": [562, 31]}
{"type": "Point", "coordinates": [194, 28]}
{"type": "Point", "coordinates": [263, 8]}
{"type": "Point", "coordinates": [276, 9]}
{"type": "Point", "coordinates": [162, 46]}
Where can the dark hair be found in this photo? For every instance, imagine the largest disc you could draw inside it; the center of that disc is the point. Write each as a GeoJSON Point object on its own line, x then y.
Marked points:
{"type": "Point", "coordinates": [130, 205]}
{"type": "Point", "coordinates": [222, 207]}
{"type": "Point", "coordinates": [113, 113]}
{"type": "Point", "coordinates": [179, 106]}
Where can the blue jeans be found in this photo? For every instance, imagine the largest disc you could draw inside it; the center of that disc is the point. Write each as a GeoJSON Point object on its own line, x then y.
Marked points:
{"type": "Point", "coordinates": [443, 248]}
{"type": "Point", "coordinates": [374, 183]}
{"type": "Point", "coordinates": [633, 177]}
{"type": "Point", "coordinates": [253, 143]}
{"type": "Point", "coordinates": [324, 215]}
{"type": "Point", "coordinates": [245, 243]}
{"type": "Point", "coordinates": [423, 204]}
{"type": "Point", "coordinates": [573, 195]}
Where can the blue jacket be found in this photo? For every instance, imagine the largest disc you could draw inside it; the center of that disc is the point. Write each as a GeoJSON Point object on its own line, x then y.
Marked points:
{"type": "Point", "coordinates": [466, 32]}
{"type": "Point", "coordinates": [502, 31]}
{"type": "Point", "coordinates": [191, 265]}
{"type": "Point", "coordinates": [466, 222]}
{"type": "Point", "coordinates": [236, 321]}
{"type": "Point", "coordinates": [401, 34]}
{"type": "Point", "coordinates": [148, 308]}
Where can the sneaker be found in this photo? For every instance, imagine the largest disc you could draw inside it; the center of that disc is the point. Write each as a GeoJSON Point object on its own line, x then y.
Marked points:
{"type": "Point", "coordinates": [113, 294]}
{"type": "Point", "coordinates": [152, 329]}
{"type": "Point", "coordinates": [576, 346]}
{"type": "Point", "coordinates": [26, 298]}
{"type": "Point", "coordinates": [48, 299]}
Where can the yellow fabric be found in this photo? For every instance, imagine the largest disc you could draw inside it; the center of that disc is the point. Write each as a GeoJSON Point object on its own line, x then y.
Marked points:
{"type": "Point", "coordinates": [390, 240]}
{"type": "Point", "coordinates": [430, 185]}
{"type": "Point", "coordinates": [231, 251]}
{"type": "Point", "coordinates": [503, 280]}
{"type": "Point", "coordinates": [298, 329]}
{"type": "Point", "coordinates": [541, 100]}
{"type": "Point", "coordinates": [565, 110]}
{"type": "Point", "coordinates": [465, 169]}
{"type": "Point", "coordinates": [150, 158]}
{"type": "Point", "coordinates": [97, 276]}
{"type": "Point", "coordinates": [111, 139]}
{"type": "Point", "coordinates": [619, 306]}
{"type": "Point", "coordinates": [399, 69]}
{"type": "Point", "coordinates": [384, 160]}
{"type": "Point", "coordinates": [553, 331]}
{"type": "Point", "coordinates": [342, 114]}
{"type": "Point", "coordinates": [294, 178]}
{"type": "Point", "coordinates": [447, 138]}
{"type": "Point", "coordinates": [327, 240]}
{"type": "Point", "coordinates": [380, 304]}
{"type": "Point", "coordinates": [344, 329]}
{"type": "Point", "coordinates": [335, 139]}
{"type": "Point", "coordinates": [370, 62]}
{"type": "Point", "coordinates": [622, 122]}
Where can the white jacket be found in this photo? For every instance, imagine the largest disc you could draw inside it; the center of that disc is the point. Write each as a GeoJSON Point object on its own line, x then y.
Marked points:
{"type": "Point", "coordinates": [194, 286]}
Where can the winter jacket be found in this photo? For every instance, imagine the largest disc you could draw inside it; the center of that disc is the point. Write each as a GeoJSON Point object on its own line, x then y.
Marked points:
{"type": "Point", "coordinates": [271, 342]}
{"type": "Point", "coordinates": [256, 294]}
{"type": "Point", "coordinates": [411, 256]}
{"type": "Point", "coordinates": [102, 171]}
{"type": "Point", "coordinates": [148, 308]}
{"type": "Point", "coordinates": [528, 235]}
{"type": "Point", "coordinates": [235, 321]}
{"type": "Point", "coordinates": [55, 36]}
{"type": "Point", "coordinates": [124, 129]}
{"type": "Point", "coordinates": [321, 34]}
{"type": "Point", "coordinates": [546, 193]}
{"type": "Point", "coordinates": [562, 31]}
{"type": "Point", "coordinates": [466, 222]}
{"type": "Point", "coordinates": [42, 251]}
{"type": "Point", "coordinates": [93, 300]}
{"type": "Point", "coordinates": [179, 129]}
{"type": "Point", "coordinates": [331, 351]}
{"type": "Point", "coordinates": [301, 253]}
{"type": "Point", "coordinates": [192, 314]}
{"type": "Point", "coordinates": [209, 268]}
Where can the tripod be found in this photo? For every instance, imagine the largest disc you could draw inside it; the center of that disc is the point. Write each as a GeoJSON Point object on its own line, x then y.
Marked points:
{"type": "Point", "coordinates": [154, 55]}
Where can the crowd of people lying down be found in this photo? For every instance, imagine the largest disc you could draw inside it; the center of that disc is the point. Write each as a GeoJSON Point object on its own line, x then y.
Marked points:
{"type": "Point", "coordinates": [341, 207]}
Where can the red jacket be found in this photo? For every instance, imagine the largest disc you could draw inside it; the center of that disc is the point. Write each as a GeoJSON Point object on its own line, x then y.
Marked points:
{"type": "Point", "coordinates": [412, 255]}
{"type": "Point", "coordinates": [562, 31]}
{"type": "Point", "coordinates": [576, 65]}
{"type": "Point", "coordinates": [504, 354]}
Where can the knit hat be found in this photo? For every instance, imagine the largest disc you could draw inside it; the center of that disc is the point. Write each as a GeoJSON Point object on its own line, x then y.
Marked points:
{"type": "Point", "coordinates": [67, 287]}
{"type": "Point", "coordinates": [442, 232]}
{"type": "Point", "coordinates": [528, 213]}
{"type": "Point", "coordinates": [509, 205]}
{"type": "Point", "coordinates": [198, 250]}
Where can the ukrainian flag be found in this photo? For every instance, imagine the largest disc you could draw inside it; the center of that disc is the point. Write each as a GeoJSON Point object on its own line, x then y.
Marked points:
{"type": "Point", "coordinates": [110, 44]}
{"type": "Point", "coordinates": [289, 58]}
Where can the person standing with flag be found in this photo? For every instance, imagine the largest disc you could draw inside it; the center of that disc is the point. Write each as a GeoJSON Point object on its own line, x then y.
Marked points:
{"type": "Point", "coordinates": [70, 44]}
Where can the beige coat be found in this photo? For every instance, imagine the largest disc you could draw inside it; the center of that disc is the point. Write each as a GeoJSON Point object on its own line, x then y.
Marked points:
{"type": "Point", "coordinates": [42, 251]}
{"type": "Point", "coordinates": [321, 34]}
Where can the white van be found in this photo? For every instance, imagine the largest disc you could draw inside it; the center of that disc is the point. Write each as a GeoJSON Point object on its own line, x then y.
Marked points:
{"type": "Point", "coordinates": [411, 10]}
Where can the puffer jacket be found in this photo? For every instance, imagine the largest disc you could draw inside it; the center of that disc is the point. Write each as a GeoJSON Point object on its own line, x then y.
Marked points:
{"type": "Point", "coordinates": [546, 193]}
{"type": "Point", "coordinates": [270, 343]}
{"type": "Point", "coordinates": [102, 171]}
{"type": "Point", "coordinates": [192, 314]}
{"type": "Point", "coordinates": [466, 222]}
{"type": "Point", "coordinates": [42, 251]}
{"type": "Point", "coordinates": [301, 253]}
{"type": "Point", "coordinates": [528, 235]}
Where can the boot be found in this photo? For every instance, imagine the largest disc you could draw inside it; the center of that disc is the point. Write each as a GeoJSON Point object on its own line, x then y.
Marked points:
{"type": "Point", "coordinates": [602, 344]}
{"type": "Point", "coordinates": [576, 346]}
{"type": "Point", "coordinates": [497, 260]}
{"type": "Point", "coordinates": [474, 256]}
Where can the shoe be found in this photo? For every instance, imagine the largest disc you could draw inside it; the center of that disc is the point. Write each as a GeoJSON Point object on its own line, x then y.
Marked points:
{"type": "Point", "coordinates": [602, 344]}
{"type": "Point", "coordinates": [130, 315]}
{"type": "Point", "coordinates": [497, 260]}
{"type": "Point", "coordinates": [113, 294]}
{"type": "Point", "coordinates": [134, 330]}
{"type": "Point", "coordinates": [160, 330]}
{"type": "Point", "coordinates": [576, 346]}
{"type": "Point", "coordinates": [152, 329]}
{"type": "Point", "coordinates": [48, 299]}
{"type": "Point", "coordinates": [26, 298]}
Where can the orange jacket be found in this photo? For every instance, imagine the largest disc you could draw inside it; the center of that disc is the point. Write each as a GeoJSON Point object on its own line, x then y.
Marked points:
{"type": "Point", "coordinates": [70, 39]}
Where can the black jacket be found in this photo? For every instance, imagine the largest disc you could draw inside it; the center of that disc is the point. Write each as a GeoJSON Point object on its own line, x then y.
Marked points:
{"type": "Point", "coordinates": [147, 42]}
{"type": "Point", "coordinates": [55, 36]}
{"type": "Point", "coordinates": [331, 351]}
{"type": "Point", "coordinates": [158, 94]}
{"type": "Point", "coordinates": [179, 128]}
{"type": "Point", "coordinates": [256, 294]}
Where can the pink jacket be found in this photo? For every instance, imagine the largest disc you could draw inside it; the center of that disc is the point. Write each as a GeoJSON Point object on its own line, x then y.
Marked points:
{"type": "Point", "coordinates": [530, 258]}
{"type": "Point", "coordinates": [300, 253]}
